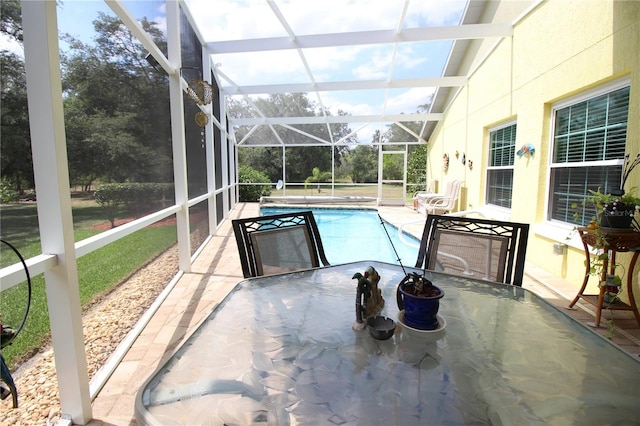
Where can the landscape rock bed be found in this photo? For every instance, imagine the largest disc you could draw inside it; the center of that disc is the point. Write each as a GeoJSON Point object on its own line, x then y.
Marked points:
{"type": "Point", "coordinates": [105, 324]}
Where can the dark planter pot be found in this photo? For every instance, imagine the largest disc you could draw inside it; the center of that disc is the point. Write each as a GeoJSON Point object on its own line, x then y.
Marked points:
{"type": "Point", "coordinates": [621, 218]}
{"type": "Point", "coordinates": [611, 294]}
{"type": "Point", "coordinates": [420, 310]}
{"type": "Point", "coordinates": [611, 288]}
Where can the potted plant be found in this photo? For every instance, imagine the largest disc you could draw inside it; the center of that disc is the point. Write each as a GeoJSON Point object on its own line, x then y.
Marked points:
{"type": "Point", "coordinates": [612, 285]}
{"type": "Point", "coordinates": [610, 281]}
{"type": "Point", "coordinates": [417, 296]}
{"type": "Point", "coordinates": [420, 300]}
{"type": "Point", "coordinates": [616, 209]}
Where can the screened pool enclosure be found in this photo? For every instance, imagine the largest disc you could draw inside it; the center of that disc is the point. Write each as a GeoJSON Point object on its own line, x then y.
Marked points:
{"type": "Point", "coordinates": [112, 101]}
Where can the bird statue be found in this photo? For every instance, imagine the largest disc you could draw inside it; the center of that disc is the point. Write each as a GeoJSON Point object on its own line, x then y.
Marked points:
{"type": "Point", "coordinates": [526, 149]}
{"type": "Point", "coordinates": [369, 301]}
{"type": "Point", "coordinates": [377, 302]}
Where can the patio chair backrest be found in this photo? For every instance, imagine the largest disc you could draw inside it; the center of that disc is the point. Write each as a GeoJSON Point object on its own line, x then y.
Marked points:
{"type": "Point", "coordinates": [431, 190]}
{"type": "Point", "coordinates": [278, 243]}
{"type": "Point", "coordinates": [483, 248]}
{"type": "Point", "coordinates": [446, 203]}
{"type": "Point", "coordinates": [449, 187]}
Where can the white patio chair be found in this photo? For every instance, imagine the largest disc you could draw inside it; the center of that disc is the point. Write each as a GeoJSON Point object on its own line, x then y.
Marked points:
{"type": "Point", "coordinates": [446, 203]}
{"type": "Point", "coordinates": [424, 200]}
{"type": "Point", "coordinates": [431, 190]}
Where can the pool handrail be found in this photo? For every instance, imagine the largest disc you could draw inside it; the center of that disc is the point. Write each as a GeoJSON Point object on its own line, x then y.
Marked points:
{"type": "Point", "coordinates": [315, 199]}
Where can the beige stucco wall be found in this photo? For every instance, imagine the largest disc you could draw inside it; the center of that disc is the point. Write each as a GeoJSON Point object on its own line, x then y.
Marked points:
{"type": "Point", "coordinates": [560, 49]}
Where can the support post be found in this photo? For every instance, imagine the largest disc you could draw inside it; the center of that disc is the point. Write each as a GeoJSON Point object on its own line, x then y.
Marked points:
{"type": "Point", "coordinates": [51, 171]}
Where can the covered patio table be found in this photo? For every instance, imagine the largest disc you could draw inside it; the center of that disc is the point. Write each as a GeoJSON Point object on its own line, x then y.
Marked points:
{"type": "Point", "coordinates": [281, 350]}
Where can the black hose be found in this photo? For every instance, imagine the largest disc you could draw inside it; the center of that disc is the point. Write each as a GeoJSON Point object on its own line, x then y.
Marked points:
{"type": "Point", "coordinates": [26, 312]}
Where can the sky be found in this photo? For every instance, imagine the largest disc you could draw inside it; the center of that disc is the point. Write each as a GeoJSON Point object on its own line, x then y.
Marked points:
{"type": "Point", "coordinates": [247, 19]}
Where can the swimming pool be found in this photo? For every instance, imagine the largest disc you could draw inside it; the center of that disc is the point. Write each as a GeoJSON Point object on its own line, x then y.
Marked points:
{"type": "Point", "coordinates": [350, 235]}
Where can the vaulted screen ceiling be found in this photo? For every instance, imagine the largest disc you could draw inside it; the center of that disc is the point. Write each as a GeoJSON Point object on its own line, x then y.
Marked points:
{"type": "Point", "coordinates": [378, 62]}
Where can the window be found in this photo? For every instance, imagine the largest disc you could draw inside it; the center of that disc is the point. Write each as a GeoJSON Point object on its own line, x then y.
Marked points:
{"type": "Point", "coordinates": [502, 146]}
{"type": "Point", "coordinates": [589, 138]}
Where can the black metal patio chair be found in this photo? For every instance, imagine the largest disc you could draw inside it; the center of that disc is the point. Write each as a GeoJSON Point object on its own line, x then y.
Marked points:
{"type": "Point", "coordinates": [278, 243]}
{"type": "Point", "coordinates": [489, 249]}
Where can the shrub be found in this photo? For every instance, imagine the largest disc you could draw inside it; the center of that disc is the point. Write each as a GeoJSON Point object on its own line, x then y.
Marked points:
{"type": "Point", "coordinates": [136, 197]}
{"type": "Point", "coordinates": [248, 175]}
{"type": "Point", "coordinates": [7, 194]}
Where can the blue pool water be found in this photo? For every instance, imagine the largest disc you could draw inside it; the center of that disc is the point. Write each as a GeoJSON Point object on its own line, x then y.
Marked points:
{"type": "Point", "coordinates": [350, 235]}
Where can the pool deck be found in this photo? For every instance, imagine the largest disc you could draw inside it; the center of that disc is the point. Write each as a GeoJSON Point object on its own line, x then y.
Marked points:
{"type": "Point", "coordinates": [216, 271]}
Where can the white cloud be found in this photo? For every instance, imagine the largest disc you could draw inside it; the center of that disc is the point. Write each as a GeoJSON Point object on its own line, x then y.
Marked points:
{"type": "Point", "coordinates": [369, 72]}
{"type": "Point", "coordinates": [374, 66]}
{"type": "Point", "coordinates": [334, 16]}
{"type": "Point", "coordinates": [262, 67]}
{"type": "Point", "coordinates": [332, 61]}
{"type": "Point", "coordinates": [335, 105]}
{"type": "Point", "coordinates": [407, 57]}
{"type": "Point", "coordinates": [241, 19]}
{"type": "Point", "coordinates": [434, 13]}
{"type": "Point", "coordinates": [407, 101]}
{"type": "Point", "coordinates": [234, 20]}
{"type": "Point", "coordinates": [10, 44]}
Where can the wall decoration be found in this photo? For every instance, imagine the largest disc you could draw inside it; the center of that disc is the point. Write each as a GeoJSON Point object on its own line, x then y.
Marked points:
{"type": "Point", "coordinates": [526, 149]}
{"type": "Point", "coordinates": [445, 162]}
{"type": "Point", "coordinates": [457, 154]}
{"type": "Point", "coordinates": [464, 159]}
{"type": "Point", "coordinates": [202, 119]}
{"type": "Point", "coordinates": [470, 165]}
{"type": "Point", "coordinates": [200, 91]}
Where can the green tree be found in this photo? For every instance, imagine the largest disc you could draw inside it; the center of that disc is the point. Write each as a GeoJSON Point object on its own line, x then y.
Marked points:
{"type": "Point", "coordinates": [317, 177]}
{"type": "Point", "coordinates": [361, 163]}
{"type": "Point", "coordinates": [266, 159]}
{"type": "Point", "coordinates": [11, 22]}
{"type": "Point", "coordinates": [300, 160]}
{"type": "Point", "coordinates": [247, 175]}
{"type": "Point", "coordinates": [116, 107]}
{"type": "Point", "coordinates": [417, 154]}
{"type": "Point", "coordinates": [15, 142]}
{"type": "Point", "coordinates": [16, 161]}
{"type": "Point", "coordinates": [417, 166]}
{"type": "Point", "coordinates": [393, 166]}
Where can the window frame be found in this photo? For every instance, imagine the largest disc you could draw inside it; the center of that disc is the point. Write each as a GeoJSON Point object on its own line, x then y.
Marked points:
{"type": "Point", "coordinates": [491, 168]}
{"type": "Point", "coordinates": [565, 103]}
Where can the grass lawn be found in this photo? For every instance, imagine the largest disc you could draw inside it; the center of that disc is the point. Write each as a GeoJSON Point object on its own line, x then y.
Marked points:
{"type": "Point", "coordinates": [98, 272]}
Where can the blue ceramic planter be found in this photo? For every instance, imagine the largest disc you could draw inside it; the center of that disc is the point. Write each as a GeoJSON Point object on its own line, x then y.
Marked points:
{"type": "Point", "coordinates": [420, 311]}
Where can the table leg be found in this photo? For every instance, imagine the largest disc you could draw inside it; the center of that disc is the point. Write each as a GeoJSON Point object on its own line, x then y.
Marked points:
{"type": "Point", "coordinates": [586, 276]}
{"type": "Point", "coordinates": [599, 307]}
{"type": "Point", "coordinates": [584, 285]}
{"type": "Point", "coordinates": [603, 278]}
